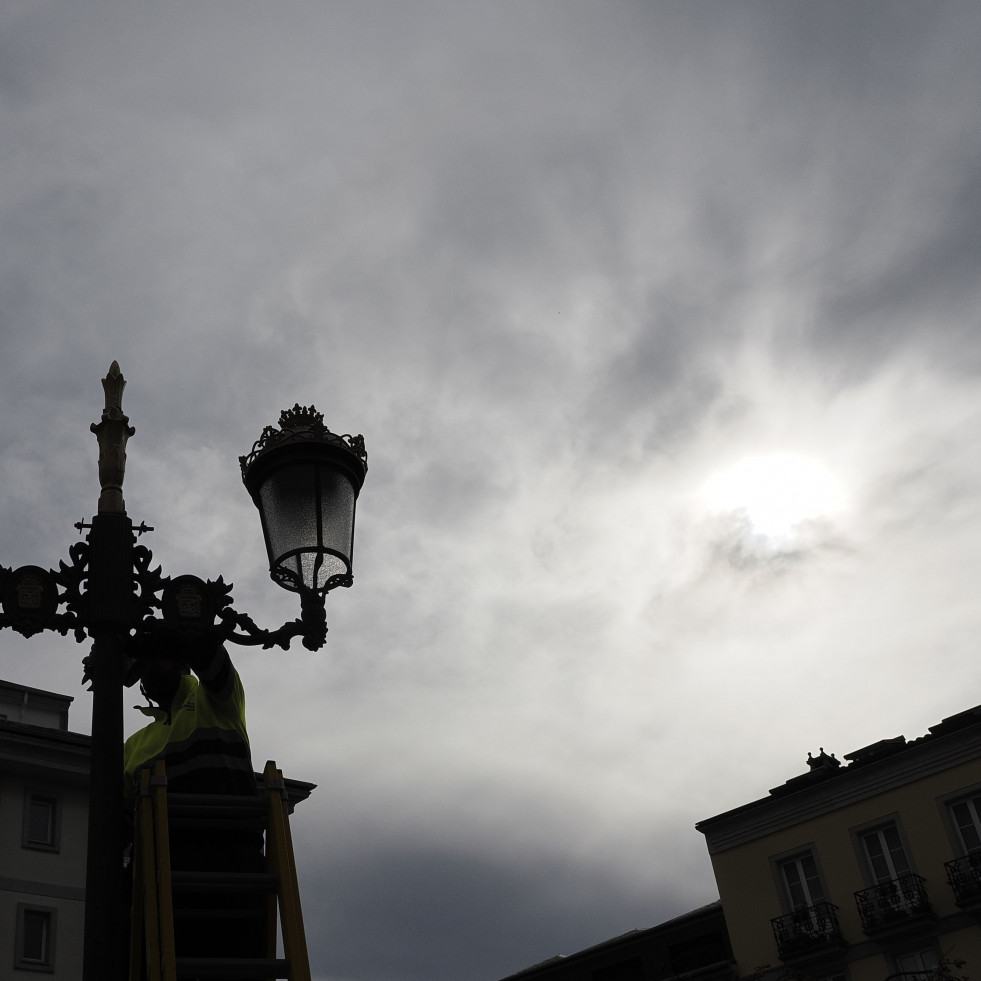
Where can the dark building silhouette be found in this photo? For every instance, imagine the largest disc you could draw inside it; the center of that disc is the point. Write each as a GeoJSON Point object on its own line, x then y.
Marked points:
{"type": "Point", "coordinates": [694, 946]}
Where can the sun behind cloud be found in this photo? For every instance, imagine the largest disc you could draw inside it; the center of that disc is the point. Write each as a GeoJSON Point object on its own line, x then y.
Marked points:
{"type": "Point", "coordinates": [776, 492]}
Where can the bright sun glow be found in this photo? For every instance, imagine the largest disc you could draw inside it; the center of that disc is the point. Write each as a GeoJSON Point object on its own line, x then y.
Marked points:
{"type": "Point", "coordinates": [776, 492]}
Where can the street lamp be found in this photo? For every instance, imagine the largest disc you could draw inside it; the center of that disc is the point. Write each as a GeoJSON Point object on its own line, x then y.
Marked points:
{"type": "Point", "coordinates": [305, 482]}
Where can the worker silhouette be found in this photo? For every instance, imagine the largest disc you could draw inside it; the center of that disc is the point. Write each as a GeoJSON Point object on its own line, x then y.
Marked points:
{"type": "Point", "coordinates": [196, 704]}
{"type": "Point", "coordinates": [197, 724]}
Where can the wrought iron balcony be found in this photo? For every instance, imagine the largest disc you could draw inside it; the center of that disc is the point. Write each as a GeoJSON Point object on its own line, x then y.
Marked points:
{"type": "Point", "coordinates": [894, 904]}
{"type": "Point", "coordinates": [808, 930]}
{"type": "Point", "coordinates": [964, 876]}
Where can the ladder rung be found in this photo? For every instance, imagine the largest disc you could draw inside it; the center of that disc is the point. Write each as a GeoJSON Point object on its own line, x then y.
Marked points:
{"type": "Point", "coordinates": [224, 881]}
{"type": "Point", "coordinates": [233, 822]}
{"type": "Point", "coordinates": [232, 800]}
{"type": "Point", "coordinates": [246, 969]}
{"type": "Point", "coordinates": [217, 805]}
{"type": "Point", "coordinates": [211, 913]}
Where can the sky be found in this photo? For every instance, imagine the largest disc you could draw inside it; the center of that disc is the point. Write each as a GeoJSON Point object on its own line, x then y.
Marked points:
{"type": "Point", "coordinates": [661, 324]}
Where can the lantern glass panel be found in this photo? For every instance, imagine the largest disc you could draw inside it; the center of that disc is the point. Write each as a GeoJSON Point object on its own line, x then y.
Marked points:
{"type": "Point", "coordinates": [309, 513]}
{"type": "Point", "coordinates": [337, 511]}
{"type": "Point", "coordinates": [289, 510]}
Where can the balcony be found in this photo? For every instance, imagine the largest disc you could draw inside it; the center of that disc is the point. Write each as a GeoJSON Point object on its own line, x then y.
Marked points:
{"type": "Point", "coordinates": [807, 931]}
{"type": "Point", "coordinates": [893, 905]}
{"type": "Point", "coordinates": [964, 876]}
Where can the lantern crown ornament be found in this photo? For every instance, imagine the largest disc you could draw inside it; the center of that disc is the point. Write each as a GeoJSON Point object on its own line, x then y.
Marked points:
{"type": "Point", "coordinates": [305, 482]}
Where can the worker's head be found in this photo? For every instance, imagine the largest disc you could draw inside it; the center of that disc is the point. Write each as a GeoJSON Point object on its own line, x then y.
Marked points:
{"type": "Point", "coordinates": [160, 678]}
{"type": "Point", "coordinates": [156, 659]}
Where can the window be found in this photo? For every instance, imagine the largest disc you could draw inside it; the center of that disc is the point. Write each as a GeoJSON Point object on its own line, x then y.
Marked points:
{"type": "Point", "coordinates": [35, 943]}
{"type": "Point", "coordinates": [811, 923]}
{"type": "Point", "coordinates": [800, 876]}
{"type": "Point", "coordinates": [895, 895]}
{"type": "Point", "coordinates": [40, 822]}
{"type": "Point", "coordinates": [967, 820]}
{"type": "Point", "coordinates": [885, 852]}
{"type": "Point", "coordinates": [919, 965]}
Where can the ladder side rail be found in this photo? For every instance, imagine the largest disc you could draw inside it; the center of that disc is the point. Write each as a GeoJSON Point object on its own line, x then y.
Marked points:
{"type": "Point", "coordinates": [278, 849]}
{"type": "Point", "coordinates": [165, 897]}
{"type": "Point", "coordinates": [144, 938]}
{"type": "Point", "coordinates": [302, 968]}
{"type": "Point", "coordinates": [273, 868]}
{"type": "Point", "coordinates": [274, 862]}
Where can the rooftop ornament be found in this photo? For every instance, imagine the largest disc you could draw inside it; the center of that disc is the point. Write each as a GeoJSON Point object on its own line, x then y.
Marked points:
{"type": "Point", "coordinates": [822, 761]}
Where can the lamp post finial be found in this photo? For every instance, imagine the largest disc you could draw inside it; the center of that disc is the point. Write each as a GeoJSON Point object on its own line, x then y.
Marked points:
{"type": "Point", "coordinates": [112, 432]}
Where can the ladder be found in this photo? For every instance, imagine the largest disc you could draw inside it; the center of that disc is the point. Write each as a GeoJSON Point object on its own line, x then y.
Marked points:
{"type": "Point", "coordinates": [214, 897]}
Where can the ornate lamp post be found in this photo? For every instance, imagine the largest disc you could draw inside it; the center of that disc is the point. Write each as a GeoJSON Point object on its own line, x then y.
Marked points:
{"type": "Point", "coordinates": [305, 482]}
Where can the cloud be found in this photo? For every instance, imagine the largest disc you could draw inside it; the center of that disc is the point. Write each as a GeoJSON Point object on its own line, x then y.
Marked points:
{"type": "Point", "coordinates": [559, 271]}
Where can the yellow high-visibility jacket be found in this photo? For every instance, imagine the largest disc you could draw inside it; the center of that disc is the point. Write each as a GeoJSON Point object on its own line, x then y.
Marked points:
{"type": "Point", "coordinates": [202, 739]}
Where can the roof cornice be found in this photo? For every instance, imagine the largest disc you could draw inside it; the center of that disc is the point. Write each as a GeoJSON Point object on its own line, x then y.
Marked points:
{"type": "Point", "coordinates": [849, 785]}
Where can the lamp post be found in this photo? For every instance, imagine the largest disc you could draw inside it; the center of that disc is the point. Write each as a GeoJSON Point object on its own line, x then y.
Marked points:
{"type": "Point", "coordinates": [305, 482]}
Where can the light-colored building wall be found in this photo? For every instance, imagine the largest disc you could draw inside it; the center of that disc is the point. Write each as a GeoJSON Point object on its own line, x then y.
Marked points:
{"type": "Point", "coordinates": [32, 706]}
{"type": "Point", "coordinates": [40, 757]}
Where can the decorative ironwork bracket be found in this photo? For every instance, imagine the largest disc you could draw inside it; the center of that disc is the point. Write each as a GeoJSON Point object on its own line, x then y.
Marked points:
{"type": "Point", "coordinates": [30, 596]}
{"type": "Point", "coordinates": [185, 606]}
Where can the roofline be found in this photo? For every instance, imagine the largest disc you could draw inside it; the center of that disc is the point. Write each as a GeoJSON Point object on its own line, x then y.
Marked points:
{"type": "Point", "coordinates": [955, 740]}
{"type": "Point", "coordinates": [45, 732]}
{"type": "Point", "coordinates": [12, 686]}
{"type": "Point", "coordinates": [631, 936]}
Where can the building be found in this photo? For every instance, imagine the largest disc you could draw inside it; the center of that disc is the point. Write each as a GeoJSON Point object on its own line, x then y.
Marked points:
{"type": "Point", "coordinates": [863, 870]}
{"type": "Point", "coordinates": [694, 946]}
{"type": "Point", "coordinates": [43, 828]}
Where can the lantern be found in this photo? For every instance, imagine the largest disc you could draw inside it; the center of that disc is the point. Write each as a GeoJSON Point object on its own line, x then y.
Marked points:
{"type": "Point", "coordinates": [305, 481]}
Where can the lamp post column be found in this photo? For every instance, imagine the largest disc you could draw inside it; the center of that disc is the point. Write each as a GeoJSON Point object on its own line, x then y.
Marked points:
{"type": "Point", "coordinates": [104, 899]}
{"type": "Point", "coordinates": [111, 589]}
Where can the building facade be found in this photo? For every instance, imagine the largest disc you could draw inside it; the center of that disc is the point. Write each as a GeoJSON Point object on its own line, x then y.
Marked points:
{"type": "Point", "coordinates": [863, 870]}
{"type": "Point", "coordinates": [43, 828]}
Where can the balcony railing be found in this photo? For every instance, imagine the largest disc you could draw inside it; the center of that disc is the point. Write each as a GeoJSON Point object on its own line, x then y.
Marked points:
{"type": "Point", "coordinates": [964, 876]}
{"type": "Point", "coordinates": [808, 930]}
{"type": "Point", "coordinates": [892, 904]}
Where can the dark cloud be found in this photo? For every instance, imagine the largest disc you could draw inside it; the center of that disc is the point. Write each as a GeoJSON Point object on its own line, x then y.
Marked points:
{"type": "Point", "coordinates": [925, 296]}
{"type": "Point", "coordinates": [408, 910]}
